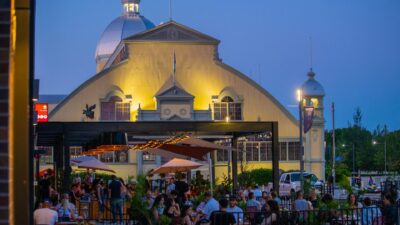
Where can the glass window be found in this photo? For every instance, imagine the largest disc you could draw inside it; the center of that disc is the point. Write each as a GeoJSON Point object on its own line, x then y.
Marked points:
{"type": "Point", "coordinates": [294, 150]}
{"type": "Point", "coordinates": [263, 151]}
{"type": "Point", "coordinates": [115, 110]}
{"type": "Point", "coordinates": [47, 157]}
{"type": "Point", "coordinates": [283, 151]}
{"type": "Point", "coordinates": [227, 108]}
{"type": "Point", "coordinates": [75, 151]}
{"type": "Point", "coordinates": [107, 157]}
{"type": "Point", "coordinates": [148, 157]}
{"type": "Point", "coordinates": [240, 146]}
{"type": "Point", "coordinates": [295, 177]}
{"type": "Point", "coordinates": [222, 155]}
{"type": "Point", "coordinates": [269, 151]}
{"type": "Point", "coordinates": [121, 156]}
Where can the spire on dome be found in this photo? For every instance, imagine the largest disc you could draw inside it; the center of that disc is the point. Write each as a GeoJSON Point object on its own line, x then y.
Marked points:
{"type": "Point", "coordinates": [311, 74]}
{"type": "Point", "coordinates": [130, 7]}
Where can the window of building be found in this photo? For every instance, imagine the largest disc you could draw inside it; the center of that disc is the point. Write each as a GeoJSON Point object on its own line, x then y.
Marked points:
{"type": "Point", "coordinates": [283, 151]}
{"type": "Point", "coordinates": [227, 107]}
{"type": "Point", "coordinates": [115, 110]}
{"type": "Point", "coordinates": [115, 157]}
{"type": "Point", "coordinates": [75, 151]}
{"type": "Point", "coordinates": [148, 156]}
{"type": "Point", "coordinates": [222, 155]}
{"type": "Point", "coordinates": [294, 150]}
{"type": "Point", "coordinates": [47, 157]}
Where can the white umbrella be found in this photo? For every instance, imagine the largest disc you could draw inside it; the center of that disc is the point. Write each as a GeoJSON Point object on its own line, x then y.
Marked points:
{"type": "Point", "coordinates": [95, 164]}
{"type": "Point", "coordinates": [177, 165]}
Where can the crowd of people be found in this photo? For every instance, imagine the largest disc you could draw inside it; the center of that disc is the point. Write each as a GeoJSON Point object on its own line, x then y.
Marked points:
{"type": "Point", "coordinates": [177, 202]}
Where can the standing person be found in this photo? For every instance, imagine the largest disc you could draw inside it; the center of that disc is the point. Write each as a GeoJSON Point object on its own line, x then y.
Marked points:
{"type": "Point", "coordinates": [210, 206]}
{"type": "Point", "coordinates": [257, 192]}
{"type": "Point", "coordinates": [301, 206]}
{"type": "Point", "coordinates": [114, 194]}
{"type": "Point", "coordinates": [222, 217]}
{"type": "Point", "coordinates": [370, 212]}
{"type": "Point", "coordinates": [44, 187]}
{"type": "Point", "coordinates": [276, 198]}
{"type": "Point", "coordinates": [100, 194]}
{"type": "Point", "coordinates": [45, 215]}
{"type": "Point", "coordinates": [235, 210]}
{"type": "Point", "coordinates": [389, 211]}
{"type": "Point", "coordinates": [181, 187]}
{"type": "Point", "coordinates": [252, 202]}
{"type": "Point", "coordinates": [271, 213]}
{"type": "Point", "coordinates": [352, 202]}
{"type": "Point", "coordinates": [313, 199]}
{"type": "Point", "coordinates": [264, 198]}
{"type": "Point", "coordinates": [171, 186]}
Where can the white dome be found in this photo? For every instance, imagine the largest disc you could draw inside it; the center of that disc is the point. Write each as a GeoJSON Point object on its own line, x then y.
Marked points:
{"type": "Point", "coordinates": [119, 29]}
{"type": "Point", "coordinates": [312, 87]}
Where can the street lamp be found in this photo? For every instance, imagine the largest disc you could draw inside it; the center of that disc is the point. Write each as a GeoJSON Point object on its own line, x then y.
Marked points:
{"type": "Point", "coordinates": [300, 100]}
{"type": "Point", "coordinates": [374, 142]}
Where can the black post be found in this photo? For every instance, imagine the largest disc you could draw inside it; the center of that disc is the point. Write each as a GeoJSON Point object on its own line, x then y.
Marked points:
{"type": "Point", "coordinates": [66, 165]}
{"type": "Point", "coordinates": [234, 165]}
{"type": "Point", "coordinates": [275, 156]}
{"type": "Point", "coordinates": [58, 164]}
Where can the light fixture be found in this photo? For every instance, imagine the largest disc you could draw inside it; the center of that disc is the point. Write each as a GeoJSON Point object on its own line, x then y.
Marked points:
{"type": "Point", "coordinates": [299, 95]}
{"type": "Point", "coordinates": [227, 119]}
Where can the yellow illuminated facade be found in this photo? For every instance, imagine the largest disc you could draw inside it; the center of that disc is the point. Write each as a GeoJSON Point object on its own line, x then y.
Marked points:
{"type": "Point", "coordinates": [139, 77]}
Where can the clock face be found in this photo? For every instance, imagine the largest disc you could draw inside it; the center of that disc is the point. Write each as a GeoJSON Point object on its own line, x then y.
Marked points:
{"type": "Point", "coordinates": [171, 110]}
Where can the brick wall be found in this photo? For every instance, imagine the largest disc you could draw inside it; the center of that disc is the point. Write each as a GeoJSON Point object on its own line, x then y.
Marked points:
{"type": "Point", "coordinates": [4, 77]}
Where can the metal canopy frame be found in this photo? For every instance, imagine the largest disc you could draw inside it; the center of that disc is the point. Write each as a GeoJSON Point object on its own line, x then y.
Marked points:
{"type": "Point", "coordinates": [61, 135]}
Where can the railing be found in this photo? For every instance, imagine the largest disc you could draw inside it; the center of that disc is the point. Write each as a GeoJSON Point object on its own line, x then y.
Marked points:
{"type": "Point", "coordinates": [361, 216]}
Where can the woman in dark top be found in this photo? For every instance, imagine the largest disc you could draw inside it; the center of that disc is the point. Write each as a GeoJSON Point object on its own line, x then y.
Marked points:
{"type": "Point", "coordinates": [271, 213]}
{"type": "Point", "coordinates": [389, 211]}
{"type": "Point", "coordinates": [172, 210]}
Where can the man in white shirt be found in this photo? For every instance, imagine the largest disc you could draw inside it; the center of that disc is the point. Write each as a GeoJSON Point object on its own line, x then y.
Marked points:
{"type": "Point", "coordinates": [45, 215]}
{"type": "Point", "coordinates": [235, 210]}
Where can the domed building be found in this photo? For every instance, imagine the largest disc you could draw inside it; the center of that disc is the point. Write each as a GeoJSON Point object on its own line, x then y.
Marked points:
{"type": "Point", "coordinates": [171, 72]}
{"type": "Point", "coordinates": [130, 23]}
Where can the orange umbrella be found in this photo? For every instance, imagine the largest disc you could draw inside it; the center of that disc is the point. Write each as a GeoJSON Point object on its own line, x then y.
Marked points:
{"type": "Point", "coordinates": [177, 165]}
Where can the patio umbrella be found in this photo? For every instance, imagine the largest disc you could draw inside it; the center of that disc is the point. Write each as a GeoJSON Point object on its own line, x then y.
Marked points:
{"type": "Point", "coordinates": [177, 165]}
{"type": "Point", "coordinates": [183, 146]}
{"type": "Point", "coordinates": [95, 164]}
{"type": "Point", "coordinates": [163, 153]}
{"type": "Point", "coordinates": [83, 158]}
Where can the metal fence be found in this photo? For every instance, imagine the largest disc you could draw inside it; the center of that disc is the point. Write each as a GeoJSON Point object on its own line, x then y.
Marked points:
{"type": "Point", "coordinates": [361, 216]}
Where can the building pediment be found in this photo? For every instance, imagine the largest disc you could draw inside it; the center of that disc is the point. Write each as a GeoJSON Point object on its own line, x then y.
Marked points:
{"type": "Point", "coordinates": [173, 32]}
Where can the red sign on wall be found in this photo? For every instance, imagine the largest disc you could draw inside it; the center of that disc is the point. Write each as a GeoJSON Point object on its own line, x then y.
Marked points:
{"type": "Point", "coordinates": [42, 111]}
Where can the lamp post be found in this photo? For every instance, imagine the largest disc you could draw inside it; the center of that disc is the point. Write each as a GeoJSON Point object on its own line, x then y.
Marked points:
{"type": "Point", "coordinates": [300, 100]}
{"type": "Point", "coordinates": [384, 146]}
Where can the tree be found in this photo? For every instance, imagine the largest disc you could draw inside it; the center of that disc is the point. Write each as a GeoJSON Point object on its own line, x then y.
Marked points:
{"type": "Point", "coordinates": [357, 117]}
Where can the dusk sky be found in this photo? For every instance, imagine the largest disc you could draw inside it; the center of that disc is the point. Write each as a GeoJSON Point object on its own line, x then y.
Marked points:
{"type": "Point", "coordinates": [356, 46]}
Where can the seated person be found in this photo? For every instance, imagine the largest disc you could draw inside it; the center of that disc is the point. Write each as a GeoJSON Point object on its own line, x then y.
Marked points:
{"type": "Point", "coordinates": [222, 217]}
{"type": "Point", "coordinates": [45, 215]}
{"type": "Point", "coordinates": [66, 210]}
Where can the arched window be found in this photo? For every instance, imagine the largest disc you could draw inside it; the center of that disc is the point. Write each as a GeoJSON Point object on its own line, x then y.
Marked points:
{"type": "Point", "coordinates": [115, 110]}
{"type": "Point", "coordinates": [227, 108]}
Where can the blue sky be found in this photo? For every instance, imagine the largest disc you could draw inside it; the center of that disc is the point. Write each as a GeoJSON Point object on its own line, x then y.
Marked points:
{"type": "Point", "coordinates": [356, 46]}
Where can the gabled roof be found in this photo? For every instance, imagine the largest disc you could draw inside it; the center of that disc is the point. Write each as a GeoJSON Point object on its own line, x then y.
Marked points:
{"type": "Point", "coordinates": [172, 89]}
{"type": "Point", "coordinates": [173, 32]}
